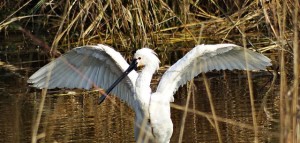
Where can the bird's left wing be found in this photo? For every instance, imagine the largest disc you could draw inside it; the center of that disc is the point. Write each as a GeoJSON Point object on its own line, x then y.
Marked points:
{"type": "Point", "coordinates": [204, 58]}
{"type": "Point", "coordinates": [87, 67]}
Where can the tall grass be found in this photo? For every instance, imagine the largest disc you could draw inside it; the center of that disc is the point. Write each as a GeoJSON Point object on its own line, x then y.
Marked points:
{"type": "Point", "coordinates": [266, 26]}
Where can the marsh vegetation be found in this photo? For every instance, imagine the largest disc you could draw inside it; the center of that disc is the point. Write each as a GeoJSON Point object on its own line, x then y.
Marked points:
{"type": "Point", "coordinates": [263, 105]}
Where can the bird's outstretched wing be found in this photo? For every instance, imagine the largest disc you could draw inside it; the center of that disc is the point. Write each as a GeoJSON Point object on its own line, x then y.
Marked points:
{"type": "Point", "coordinates": [204, 58]}
{"type": "Point", "coordinates": [87, 67]}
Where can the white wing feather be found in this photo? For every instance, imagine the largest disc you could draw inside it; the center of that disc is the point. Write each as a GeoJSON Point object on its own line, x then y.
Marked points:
{"type": "Point", "coordinates": [87, 67]}
{"type": "Point", "coordinates": [204, 58]}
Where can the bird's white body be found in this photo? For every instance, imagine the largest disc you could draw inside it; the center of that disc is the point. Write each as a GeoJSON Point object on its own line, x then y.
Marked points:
{"type": "Point", "coordinates": [97, 66]}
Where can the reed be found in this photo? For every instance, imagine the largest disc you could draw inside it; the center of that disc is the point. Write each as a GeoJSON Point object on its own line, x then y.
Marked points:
{"type": "Point", "coordinates": [270, 27]}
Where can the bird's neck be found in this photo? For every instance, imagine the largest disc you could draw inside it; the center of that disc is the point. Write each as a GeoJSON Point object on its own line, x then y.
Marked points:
{"type": "Point", "coordinates": [145, 77]}
{"type": "Point", "coordinates": [143, 89]}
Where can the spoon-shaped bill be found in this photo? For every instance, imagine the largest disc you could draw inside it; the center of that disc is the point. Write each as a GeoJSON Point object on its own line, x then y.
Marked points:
{"type": "Point", "coordinates": [132, 66]}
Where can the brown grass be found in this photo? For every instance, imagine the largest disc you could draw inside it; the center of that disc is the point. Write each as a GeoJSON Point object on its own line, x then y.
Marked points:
{"type": "Point", "coordinates": [270, 27]}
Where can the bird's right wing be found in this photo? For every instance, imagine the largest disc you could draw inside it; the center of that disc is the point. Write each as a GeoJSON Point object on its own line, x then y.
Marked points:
{"type": "Point", "coordinates": [204, 58]}
{"type": "Point", "coordinates": [87, 67]}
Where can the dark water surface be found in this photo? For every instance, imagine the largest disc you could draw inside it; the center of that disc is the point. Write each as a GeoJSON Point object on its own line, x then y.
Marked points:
{"type": "Point", "coordinates": [78, 118]}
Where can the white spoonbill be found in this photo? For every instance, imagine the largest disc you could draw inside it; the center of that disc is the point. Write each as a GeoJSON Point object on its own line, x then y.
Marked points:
{"type": "Point", "coordinates": [99, 65]}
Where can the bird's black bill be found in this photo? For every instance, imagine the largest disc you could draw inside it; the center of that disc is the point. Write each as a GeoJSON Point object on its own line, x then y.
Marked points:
{"type": "Point", "coordinates": [132, 66]}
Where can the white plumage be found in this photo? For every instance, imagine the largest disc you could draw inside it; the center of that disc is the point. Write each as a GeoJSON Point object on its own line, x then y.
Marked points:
{"type": "Point", "coordinates": [99, 66]}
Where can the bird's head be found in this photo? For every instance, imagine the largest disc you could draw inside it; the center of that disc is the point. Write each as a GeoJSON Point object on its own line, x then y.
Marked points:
{"type": "Point", "coordinates": [146, 57]}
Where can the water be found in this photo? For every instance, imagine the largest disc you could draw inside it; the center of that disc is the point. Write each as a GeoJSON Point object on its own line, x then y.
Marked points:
{"type": "Point", "coordinates": [78, 118]}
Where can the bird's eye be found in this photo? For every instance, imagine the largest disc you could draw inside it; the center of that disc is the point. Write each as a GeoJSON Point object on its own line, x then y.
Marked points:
{"type": "Point", "coordinates": [139, 58]}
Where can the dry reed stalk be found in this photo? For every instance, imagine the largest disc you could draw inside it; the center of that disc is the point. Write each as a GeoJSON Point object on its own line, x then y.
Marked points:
{"type": "Point", "coordinates": [143, 132]}
{"type": "Point", "coordinates": [35, 136]}
{"type": "Point", "coordinates": [189, 93]}
{"type": "Point", "coordinates": [250, 84]}
{"type": "Point", "coordinates": [9, 17]}
{"type": "Point", "coordinates": [194, 115]}
{"type": "Point", "coordinates": [61, 32]}
{"type": "Point", "coordinates": [283, 81]}
{"type": "Point", "coordinates": [216, 124]}
{"type": "Point", "coordinates": [295, 98]}
{"type": "Point", "coordinates": [283, 91]}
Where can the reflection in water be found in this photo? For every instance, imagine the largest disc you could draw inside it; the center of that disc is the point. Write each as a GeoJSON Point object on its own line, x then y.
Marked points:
{"type": "Point", "coordinates": [79, 118]}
